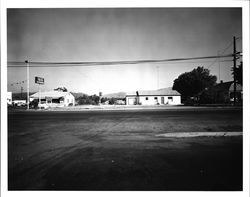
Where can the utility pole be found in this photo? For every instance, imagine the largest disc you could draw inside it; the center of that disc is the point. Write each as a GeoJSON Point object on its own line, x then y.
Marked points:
{"type": "Point", "coordinates": [219, 64]}
{"type": "Point", "coordinates": [234, 68]}
{"type": "Point", "coordinates": [28, 88]}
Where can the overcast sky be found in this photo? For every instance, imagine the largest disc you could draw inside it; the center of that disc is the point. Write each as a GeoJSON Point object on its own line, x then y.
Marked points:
{"type": "Point", "coordinates": [117, 35]}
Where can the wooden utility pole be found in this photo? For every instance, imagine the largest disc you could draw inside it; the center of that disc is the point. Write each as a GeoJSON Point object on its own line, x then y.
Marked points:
{"type": "Point", "coordinates": [234, 69]}
{"type": "Point", "coordinates": [28, 88]}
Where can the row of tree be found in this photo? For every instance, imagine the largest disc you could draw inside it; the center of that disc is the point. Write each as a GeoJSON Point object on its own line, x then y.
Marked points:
{"type": "Point", "coordinates": [192, 83]}
{"type": "Point", "coordinates": [95, 100]}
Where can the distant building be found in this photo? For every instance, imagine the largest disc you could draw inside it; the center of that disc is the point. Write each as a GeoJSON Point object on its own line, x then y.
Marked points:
{"type": "Point", "coordinates": [9, 98]}
{"type": "Point", "coordinates": [54, 98]}
{"type": "Point", "coordinates": [120, 102]}
{"type": "Point", "coordinates": [19, 102]}
{"type": "Point", "coordinates": [222, 93]}
{"type": "Point", "coordinates": [165, 96]}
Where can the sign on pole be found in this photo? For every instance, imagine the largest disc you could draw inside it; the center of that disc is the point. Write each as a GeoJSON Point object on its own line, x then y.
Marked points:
{"type": "Point", "coordinates": [39, 80]}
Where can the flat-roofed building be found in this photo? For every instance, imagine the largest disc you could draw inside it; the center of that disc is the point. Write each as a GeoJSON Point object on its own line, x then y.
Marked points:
{"type": "Point", "coordinates": [165, 96]}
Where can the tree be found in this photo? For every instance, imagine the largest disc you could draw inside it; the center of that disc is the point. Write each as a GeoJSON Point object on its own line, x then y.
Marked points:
{"type": "Point", "coordinates": [95, 99]}
{"type": "Point", "coordinates": [238, 73]}
{"type": "Point", "coordinates": [104, 99]}
{"type": "Point", "coordinates": [88, 100]}
{"type": "Point", "coordinates": [83, 100]}
{"type": "Point", "coordinates": [191, 83]}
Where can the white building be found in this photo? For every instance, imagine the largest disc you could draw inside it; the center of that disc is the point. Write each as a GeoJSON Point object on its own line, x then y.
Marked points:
{"type": "Point", "coordinates": [19, 102]}
{"type": "Point", "coordinates": [54, 98]}
{"type": "Point", "coordinates": [165, 96]}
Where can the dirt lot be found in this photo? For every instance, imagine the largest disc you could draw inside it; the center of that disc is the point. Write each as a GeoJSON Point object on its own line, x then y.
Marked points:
{"type": "Point", "coordinates": [119, 150]}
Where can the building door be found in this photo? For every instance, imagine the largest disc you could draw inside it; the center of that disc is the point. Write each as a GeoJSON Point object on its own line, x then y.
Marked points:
{"type": "Point", "coordinates": [162, 100]}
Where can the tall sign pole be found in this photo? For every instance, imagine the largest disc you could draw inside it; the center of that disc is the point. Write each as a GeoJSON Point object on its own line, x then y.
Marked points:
{"type": "Point", "coordinates": [234, 69]}
{"type": "Point", "coordinates": [28, 81]}
{"type": "Point", "coordinates": [39, 81]}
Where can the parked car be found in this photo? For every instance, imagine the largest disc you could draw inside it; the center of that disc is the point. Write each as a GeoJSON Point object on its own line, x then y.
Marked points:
{"type": "Point", "coordinates": [43, 106]}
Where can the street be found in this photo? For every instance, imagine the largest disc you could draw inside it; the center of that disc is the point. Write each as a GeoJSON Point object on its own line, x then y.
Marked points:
{"type": "Point", "coordinates": [120, 150]}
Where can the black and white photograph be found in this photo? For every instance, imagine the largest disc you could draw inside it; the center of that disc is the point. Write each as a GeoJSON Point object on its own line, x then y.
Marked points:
{"type": "Point", "coordinates": [125, 99]}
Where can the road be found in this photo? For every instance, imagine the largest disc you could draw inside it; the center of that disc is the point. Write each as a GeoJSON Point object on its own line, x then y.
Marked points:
{"type": "Point", "coordinates": [120, 150]}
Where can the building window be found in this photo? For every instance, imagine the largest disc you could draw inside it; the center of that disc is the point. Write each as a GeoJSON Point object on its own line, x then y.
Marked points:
{"type": "Point", "coordinates": [156, 98]}
{"type": "Point", "coordinates": [146, 98]}
{"type": "Point", "coordinates": [170, 98]}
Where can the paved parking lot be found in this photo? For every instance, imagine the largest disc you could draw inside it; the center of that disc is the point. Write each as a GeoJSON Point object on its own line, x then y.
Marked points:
{"type": "Point", "coordinates": [122, 150]}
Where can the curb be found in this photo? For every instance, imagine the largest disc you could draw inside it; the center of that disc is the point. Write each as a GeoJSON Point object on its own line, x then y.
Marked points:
{"type": "Point", "coordinates": [200, 134]}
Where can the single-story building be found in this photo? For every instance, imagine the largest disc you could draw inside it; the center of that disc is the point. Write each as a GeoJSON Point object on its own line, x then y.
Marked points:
{"type": "Point", "coordinates": [165, 96]}
{"type": "Point", "coordinates": [222, 92]}
{"type": "Point", "coordinates": [54, 98]}
{"type": "Point", "coordinates": [19, 102]}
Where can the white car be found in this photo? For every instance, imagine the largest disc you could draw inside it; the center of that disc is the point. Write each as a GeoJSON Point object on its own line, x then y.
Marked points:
{"type": "Point", "coordinates": [43, 106]}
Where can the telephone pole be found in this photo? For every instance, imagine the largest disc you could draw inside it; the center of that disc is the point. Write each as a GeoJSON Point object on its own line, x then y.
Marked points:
{"type": "Point", "coordinates": [28, 89]}
{"type": "Point", "coordinates": [218, 53]}
{"type": "Point", "coordinates": [234, 68]}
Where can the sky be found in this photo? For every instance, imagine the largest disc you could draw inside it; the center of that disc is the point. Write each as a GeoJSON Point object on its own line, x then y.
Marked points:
{"type": "Point", "coordinates": [118, 34]}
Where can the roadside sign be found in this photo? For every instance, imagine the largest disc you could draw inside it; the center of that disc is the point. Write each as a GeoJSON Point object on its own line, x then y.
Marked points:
{"type": "Point", "coordinates": [39, 80]}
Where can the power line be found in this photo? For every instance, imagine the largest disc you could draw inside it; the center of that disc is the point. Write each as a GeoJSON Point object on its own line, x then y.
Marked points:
{"type": "Point", "coordinates": [61, 66]}
{"type": "Point", "coordinates": [229, 45]}
{"type": "Point", "coordinates": [65, 64]}
{"type": "Point", "coordinates": [181, 62]}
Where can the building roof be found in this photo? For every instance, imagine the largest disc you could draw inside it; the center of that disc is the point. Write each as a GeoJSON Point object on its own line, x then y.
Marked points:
{"type": "Point", "coordinates": [160, 92]}
{"type": "Point", "coordinates": [227, 86]}
{"type": "Point", "coordinates": [51, 94]}
{"type": "Point", "coordinates": [222, 87]}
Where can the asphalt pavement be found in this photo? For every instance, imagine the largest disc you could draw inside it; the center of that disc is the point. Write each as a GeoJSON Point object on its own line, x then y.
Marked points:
{"type": "Point", "coordinates": [123, 150]}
